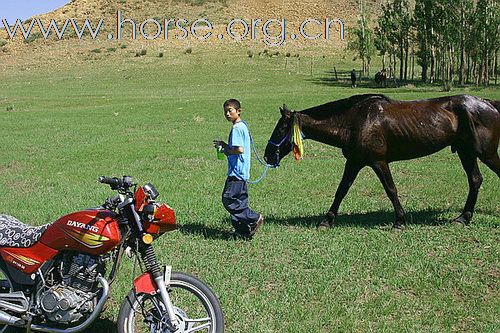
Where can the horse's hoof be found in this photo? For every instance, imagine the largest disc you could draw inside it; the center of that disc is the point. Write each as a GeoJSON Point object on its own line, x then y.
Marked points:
{"type": "Point", "coordinates": [463, 219]}
{"type": "Point", "coordinates": [460, 221]}
{"type": "Point", "coordinates": [398, 227]}
{"type": "Point", "coordinates": [325, 224]}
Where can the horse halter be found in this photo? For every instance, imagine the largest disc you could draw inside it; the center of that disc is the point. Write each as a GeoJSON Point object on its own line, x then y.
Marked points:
{"type": "Point", "coordinates": [278, 145]}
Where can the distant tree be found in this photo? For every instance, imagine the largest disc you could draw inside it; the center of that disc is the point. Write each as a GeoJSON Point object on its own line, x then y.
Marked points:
{"type": "Point", "coordinates": [394, 30]}
{"type": "Point", "coordinates": [363, 42]}
{"type": "Point", "coordinates": [381, 41]}
{"type": "Point", "coordinates": [451, 39]}
{"type": "Point", "coordinates": [487, 34]}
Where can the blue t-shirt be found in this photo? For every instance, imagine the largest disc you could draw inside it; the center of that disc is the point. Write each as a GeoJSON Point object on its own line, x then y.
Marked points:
{"type": "Point", "coordinates": [239, 165]}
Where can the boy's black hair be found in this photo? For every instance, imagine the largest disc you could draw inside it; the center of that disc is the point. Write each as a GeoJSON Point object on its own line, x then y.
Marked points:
{"type": "Point", "coordinates": [232, 102]}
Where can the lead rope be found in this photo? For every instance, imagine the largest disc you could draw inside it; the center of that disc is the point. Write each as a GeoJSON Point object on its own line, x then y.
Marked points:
{"type": "Point", "coordinates": [259, 159]}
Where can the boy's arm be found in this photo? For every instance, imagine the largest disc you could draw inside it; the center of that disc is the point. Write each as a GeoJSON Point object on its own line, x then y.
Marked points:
{"type": "Point", "coordinates": [233, 151]}
{"type": "Point", "coordinates": [228, 151]}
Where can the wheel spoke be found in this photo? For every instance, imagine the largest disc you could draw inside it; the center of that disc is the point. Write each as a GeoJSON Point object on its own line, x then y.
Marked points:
{"type": "Point", "coordinates": [199, 328]}
{"type": "Point", "coordinates": [194, 308]}
{"type": "Point", "coordinates": [197, 320]}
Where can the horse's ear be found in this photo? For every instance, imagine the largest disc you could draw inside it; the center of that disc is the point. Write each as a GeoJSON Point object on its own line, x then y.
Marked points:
{"type": "Point", "coordinates": [285, 112]}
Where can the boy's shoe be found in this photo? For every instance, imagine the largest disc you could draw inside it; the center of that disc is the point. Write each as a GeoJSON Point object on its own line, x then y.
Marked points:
{"type": "Point", "coordinates": [240, 230]}
{"type": "Point", "coordinates": [256, 226]}
{"type": "Point", "coordinates": [237, 234]}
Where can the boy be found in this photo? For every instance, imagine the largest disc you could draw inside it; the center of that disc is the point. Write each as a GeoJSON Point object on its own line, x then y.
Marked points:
{"type": "Point", "coordinates": [235, 195]}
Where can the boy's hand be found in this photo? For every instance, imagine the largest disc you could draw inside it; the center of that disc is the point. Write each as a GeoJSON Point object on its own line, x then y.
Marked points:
{"type": "Point", "coordinates": [220, 143]}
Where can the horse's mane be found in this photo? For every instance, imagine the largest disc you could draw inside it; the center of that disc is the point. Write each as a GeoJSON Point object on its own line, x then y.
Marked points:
{"type": "Point", "coordinates": [341, 105]}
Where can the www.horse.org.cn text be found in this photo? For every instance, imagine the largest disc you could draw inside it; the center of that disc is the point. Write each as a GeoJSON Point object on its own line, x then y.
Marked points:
{"type": "Point", "coordinates": [272, 32]}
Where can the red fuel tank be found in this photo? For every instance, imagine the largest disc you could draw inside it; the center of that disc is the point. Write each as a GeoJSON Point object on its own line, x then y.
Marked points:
{"type": "Point", "coordinates": [91, 231]}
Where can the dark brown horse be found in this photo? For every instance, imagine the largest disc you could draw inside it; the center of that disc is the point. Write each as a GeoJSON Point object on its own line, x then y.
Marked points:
{"type": "Point", "coordinates": [381, 77]}
{"type": "Point", "coordinates": [373, 131]}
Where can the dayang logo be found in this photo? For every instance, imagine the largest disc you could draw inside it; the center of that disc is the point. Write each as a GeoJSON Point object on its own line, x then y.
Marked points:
{"type": "Point", "coordinates": [82, 226]}
{"type": "Point", "coordinates": [83, 236]}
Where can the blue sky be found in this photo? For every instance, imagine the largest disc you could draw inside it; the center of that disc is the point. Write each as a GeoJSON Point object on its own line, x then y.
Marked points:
{"type": "Point", "coordinates": [22, 9]}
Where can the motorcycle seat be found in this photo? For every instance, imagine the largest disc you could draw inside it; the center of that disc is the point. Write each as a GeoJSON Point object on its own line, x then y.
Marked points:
{"type": "Point", "coordinates": [14, 233]}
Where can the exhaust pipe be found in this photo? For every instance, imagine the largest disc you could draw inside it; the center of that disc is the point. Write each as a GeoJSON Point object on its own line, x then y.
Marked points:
{"type": "Point", "coordinates": [15, 301]}
{"type": "Point", "coordinates": [8, 319]}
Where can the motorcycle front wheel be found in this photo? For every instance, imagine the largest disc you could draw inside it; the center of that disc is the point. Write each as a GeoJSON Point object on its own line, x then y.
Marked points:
{"type": "Point", "coordinates": [196, 307]}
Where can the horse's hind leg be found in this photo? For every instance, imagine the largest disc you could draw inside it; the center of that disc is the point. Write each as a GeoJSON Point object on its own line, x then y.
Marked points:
{"type": "Point", "coordinates": [469, 163]}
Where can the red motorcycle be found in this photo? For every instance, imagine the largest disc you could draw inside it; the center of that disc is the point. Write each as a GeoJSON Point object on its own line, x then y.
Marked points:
{"type": "Point", "coordinates": [56, 278]}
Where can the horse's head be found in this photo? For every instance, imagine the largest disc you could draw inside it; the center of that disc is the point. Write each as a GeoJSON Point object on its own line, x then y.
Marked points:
{"type": "Point", "coordinates": [279, 144]}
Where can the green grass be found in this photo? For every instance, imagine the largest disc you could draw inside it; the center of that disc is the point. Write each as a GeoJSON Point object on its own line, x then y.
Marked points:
{"type": "Point", "coordinates": [155, 120]}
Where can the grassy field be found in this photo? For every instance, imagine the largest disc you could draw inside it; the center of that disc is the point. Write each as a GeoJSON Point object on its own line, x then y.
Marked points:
{"type": "Point", "coordinates": [63, 125]}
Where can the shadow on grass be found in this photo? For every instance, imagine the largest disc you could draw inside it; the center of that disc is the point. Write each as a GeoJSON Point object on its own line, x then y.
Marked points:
{"type": "Point", "coordinates": [343, 79]}
{"type": "Point", "coordinates": [102, 325]}
{"type": "Point", "coordinates": [365, 220]}
{"type": "Point", "coordinates": [375, 219]}
{"type": "Point", "coordinates": [208, 232]}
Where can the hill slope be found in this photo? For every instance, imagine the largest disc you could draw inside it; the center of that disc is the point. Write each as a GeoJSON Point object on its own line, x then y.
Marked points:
{"type": "Point", "coordinates": [218, 12]}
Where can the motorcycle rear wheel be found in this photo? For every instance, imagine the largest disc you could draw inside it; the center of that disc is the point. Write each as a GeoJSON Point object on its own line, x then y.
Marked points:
{"type": "Point", "coordinates": [196, 307]}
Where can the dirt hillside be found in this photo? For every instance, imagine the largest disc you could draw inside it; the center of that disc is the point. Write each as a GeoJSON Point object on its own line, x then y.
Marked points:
{"type": "Point", "coordinates": [218, 12]}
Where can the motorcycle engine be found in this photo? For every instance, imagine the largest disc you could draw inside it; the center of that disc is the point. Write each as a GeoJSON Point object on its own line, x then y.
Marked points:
{"type": "Point", "coordinates": [72, 294]}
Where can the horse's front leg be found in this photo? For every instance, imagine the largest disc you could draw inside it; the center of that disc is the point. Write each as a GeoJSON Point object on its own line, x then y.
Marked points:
{"type": "Point", "coordinates": [351, 170]}
{"type": "Point", "coordinates": [383, 172]}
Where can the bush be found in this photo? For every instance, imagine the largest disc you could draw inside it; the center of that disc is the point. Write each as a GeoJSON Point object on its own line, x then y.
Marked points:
{"type": "Point", "coordinates": [189, 50]}
{"type": "Point", "coordinates": [33, 37]}
{"type": "Point", "coordinates": [96, 50]}
{"type": "Point", "coordinates": [288, 55]}
{"type": "Point", "coordinates": [160, 55]}
{"type": "Point", "coordinates": [123, 46]}
{"type": "Point", "coordinates": [141, 53]}
{"type": "Point", "coordinates": [250, 53]}
{"type": "Point", "coordinates": [10, 108]}
{"type": "Point", "coordinates": [111, 49]}
{"type": "Point", "coordinates": [2, 42]}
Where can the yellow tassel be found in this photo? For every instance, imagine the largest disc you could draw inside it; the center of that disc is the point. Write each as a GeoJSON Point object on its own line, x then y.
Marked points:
{"type": "Point", "coordinates": [298, 146]}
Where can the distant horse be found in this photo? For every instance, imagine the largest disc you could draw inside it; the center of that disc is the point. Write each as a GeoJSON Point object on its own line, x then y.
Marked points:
{"type": "Point", "coordinates": [373, 130]}
{"type": "Point", "coordinates": [380, 77]}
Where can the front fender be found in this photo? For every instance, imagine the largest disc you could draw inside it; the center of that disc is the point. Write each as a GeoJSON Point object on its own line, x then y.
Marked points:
{"type": "Point", "coordinates": [145, 284]}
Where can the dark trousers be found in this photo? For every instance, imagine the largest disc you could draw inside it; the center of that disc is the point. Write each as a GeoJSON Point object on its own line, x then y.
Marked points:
{"type": "Point", "coordinates": [235, 200]}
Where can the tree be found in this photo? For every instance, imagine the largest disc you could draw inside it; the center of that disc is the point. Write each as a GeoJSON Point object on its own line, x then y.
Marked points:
{"type": "Point", "coordinates": [396, 24]}
{"type": "Point", "coordinates": [363, 40]}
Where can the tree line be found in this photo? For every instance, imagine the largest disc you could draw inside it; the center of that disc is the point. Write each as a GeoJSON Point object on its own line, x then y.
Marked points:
{"type": "Point", "coordinates": [452, 41]}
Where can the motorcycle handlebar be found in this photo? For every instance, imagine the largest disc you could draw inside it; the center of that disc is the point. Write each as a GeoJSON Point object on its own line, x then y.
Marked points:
{"type": "Point", "coordinates": [113, 181]}
{"type": "Point", "coordinates": [116, 183]}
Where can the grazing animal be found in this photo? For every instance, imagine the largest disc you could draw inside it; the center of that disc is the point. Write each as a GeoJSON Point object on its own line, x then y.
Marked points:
{"type": "Point", "coordinates": [374, 130]}
{"type": "Point", "coordinates": [380, 77]}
